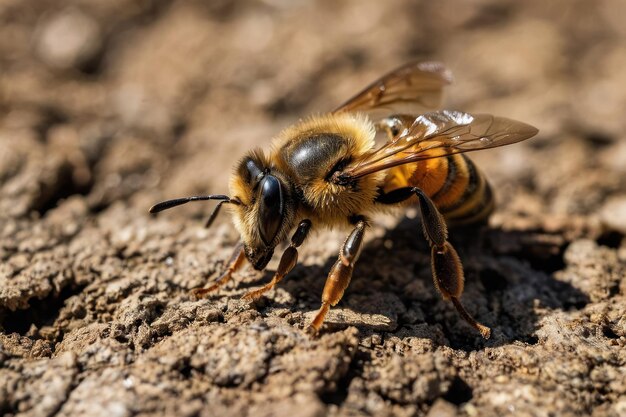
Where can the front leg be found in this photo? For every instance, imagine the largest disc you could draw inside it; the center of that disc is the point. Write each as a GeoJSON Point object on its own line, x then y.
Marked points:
{"type": "Point", "coordinates": [237, 260]}
{"type": "Point", "coordinates": [341, 273]}
{"type": "Point", "coordinates": [287, 261]}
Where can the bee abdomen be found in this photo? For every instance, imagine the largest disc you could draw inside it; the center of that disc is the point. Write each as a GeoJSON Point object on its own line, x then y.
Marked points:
{"type": "Point", "coordinates": [465, 196]}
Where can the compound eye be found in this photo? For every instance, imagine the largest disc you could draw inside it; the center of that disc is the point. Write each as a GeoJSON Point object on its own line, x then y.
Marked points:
{"type": "Point", "coordinates": [271, 208]}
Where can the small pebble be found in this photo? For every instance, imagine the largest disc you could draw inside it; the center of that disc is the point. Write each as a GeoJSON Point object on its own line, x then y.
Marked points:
{"type": "Point", "coordinates": [68, 39]}
{"type": "Point", "coordinates": [613, 214]}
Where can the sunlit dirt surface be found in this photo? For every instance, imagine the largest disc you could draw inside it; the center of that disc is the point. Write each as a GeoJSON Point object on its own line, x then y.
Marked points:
{"type": "Point", "coordinates": [107, 107]}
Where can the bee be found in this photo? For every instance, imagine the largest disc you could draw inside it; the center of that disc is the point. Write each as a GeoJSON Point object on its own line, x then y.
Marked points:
{"type": "Point", "coordinates": [326, 171]}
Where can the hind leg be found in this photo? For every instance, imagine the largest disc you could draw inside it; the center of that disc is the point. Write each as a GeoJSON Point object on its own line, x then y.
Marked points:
{"type": "Point", "coordinates": [446, 265]}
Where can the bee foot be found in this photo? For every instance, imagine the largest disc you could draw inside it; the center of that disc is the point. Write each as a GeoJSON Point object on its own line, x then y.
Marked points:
{"type": "Point", "coordinates": [203, 292]}
{"type": "Point", "coordinates": [317, 322]}
{"type": "Point", "coordinates": [255, 294]}
{"type": "Point", "coordinates": [312, 330]}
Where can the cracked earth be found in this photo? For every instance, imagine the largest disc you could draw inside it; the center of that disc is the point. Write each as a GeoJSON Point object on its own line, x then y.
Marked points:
{"type": "Point", "coordinates": [108, 107]}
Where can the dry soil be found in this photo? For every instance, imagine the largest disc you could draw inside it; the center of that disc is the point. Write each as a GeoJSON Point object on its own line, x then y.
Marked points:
{"type": "Point", "coordinates": [107, 107]}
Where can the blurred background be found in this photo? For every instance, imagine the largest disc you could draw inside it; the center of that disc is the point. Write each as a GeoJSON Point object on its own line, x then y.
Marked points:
{"type": "Point", "coordinates": [135, 100]}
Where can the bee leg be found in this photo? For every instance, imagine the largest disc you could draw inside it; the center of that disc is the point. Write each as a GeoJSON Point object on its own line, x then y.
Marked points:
{"type": "Point", "coordinates": [446, 265]}
{"type": "Point", "coordinates": [287, 261]}
{"type": "Point", "coordinates": [236, 262]}
{"type": "Point", "coordinates": [341, 272]}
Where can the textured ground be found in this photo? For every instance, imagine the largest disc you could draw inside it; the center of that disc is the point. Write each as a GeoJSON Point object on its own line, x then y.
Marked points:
{"type": "Point", "coordinates": [107, 107]}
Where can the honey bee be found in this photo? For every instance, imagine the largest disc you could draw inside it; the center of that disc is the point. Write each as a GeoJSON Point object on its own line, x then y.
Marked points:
{"type": "Point", "coordinates": [326, 171]}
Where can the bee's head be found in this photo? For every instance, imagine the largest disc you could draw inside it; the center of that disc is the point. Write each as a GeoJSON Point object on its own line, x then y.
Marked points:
{"type": "Point", "coordinates": [267, 209]}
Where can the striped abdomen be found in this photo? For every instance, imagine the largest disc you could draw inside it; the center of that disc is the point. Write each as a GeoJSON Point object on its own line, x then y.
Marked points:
{"type": "Point", "coordinates": [456, 186]}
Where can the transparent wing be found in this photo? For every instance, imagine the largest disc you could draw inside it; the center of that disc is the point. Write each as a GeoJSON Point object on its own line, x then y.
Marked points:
{"type": "Point", "coordinates": [439, 134]}
{"type": "Point", "coordinates": [413, 88]}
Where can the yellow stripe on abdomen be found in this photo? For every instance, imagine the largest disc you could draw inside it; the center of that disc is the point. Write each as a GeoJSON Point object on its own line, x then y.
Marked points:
{"type": "Point", "coordinates": [453, 182]}
{"type": "Point", "coordinates": [475, 203]}
{"type": "Point", "coordinates": [429, 175]}
{"type": "Point", "coordinates": [456, 186]}
{"type": "Point", "coordinates": [457, 181]}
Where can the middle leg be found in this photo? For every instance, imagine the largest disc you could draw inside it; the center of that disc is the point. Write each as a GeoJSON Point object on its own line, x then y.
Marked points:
{"type": "Point", "coordinates": [341, 272]}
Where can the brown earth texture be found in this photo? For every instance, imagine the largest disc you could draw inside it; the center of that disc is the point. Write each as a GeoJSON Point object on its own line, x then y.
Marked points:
{"type": "Point", "coordinates": [107, 107]}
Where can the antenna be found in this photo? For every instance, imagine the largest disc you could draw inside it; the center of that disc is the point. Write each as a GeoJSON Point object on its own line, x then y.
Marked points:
{"type": "Point", "coordinates": [168, 204]}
